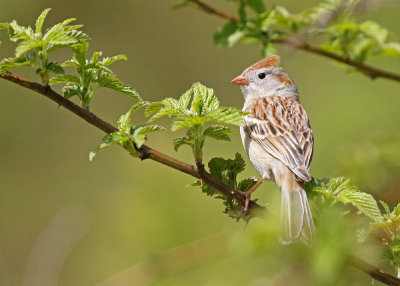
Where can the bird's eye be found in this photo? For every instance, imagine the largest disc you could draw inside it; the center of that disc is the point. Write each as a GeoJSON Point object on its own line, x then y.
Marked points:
{"type": "Point", "coordinates": [262, 75]}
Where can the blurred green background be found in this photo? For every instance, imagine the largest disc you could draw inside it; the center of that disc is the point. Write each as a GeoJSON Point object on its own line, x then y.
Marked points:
{"type": "Point", "coordinates": [115, 212]}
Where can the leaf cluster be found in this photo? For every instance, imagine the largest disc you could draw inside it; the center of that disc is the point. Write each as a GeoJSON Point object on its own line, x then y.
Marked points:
{"type": "Point", "coordinates": [195, 109]}
{"type": "Point", "coordinates": [93, 71]}
{"type": "Point", "coordinates": [383, 224]}
{"type": "Point", "coordinates": [129, 136]}
{"type": "Point", "coordinates": [35, 45]}
{"type": "Point", "coordinates": [331, 24]}
{"type": "Point", "coordinates": [227, 171]}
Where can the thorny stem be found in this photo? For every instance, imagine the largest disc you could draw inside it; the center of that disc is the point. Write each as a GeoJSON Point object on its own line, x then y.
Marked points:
{"type": "Point", "coordinates": [370, 71]}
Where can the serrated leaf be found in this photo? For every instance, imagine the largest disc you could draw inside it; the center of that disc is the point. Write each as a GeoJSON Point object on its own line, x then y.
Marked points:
{"type": "Point", "coordinates": [109, 60]}
{"type": "Point", "coordinates": [396, 210]}
{"type": "Point", "coordinates": [204, 100]}
{"type": "Point", "coordinates": [54, 67]}
{"type": "Point", "coordinates": [139, 133]}
{"type": "Point", "coordinates": [64, 78]}
{"type": "Point", "coordinates": [40, 20]}
{"type": "Point", "coordinates": [185, 121]}
{"type": "Point", "coordinates": [17, 32]}
{"type": "Point", "coordinates": [153, 107]}
{"type": "Point", "coordinates": [107, 141]}
{"type": "Point", "coordinates": [246, 184]}
{"type": "Point", "coordinates": [227, 169]}
{"type": "Point", "coordinates": [71, 89]}
{"type": "Point", "coordinates": [25, 46]}
{"type": "Point", "coordinates": [218, 132]}
{"type": "Point", "coordinates": [111, 81]}
{"type": "Point", "coordinates": [228, 115]}
{"type": "Point", "coordinates": [341, 190]}
{"type": "Point", "coordinates": [124, 121]}
{"type": "Point", "coordinates": [385, 206]}
{"type": "Point", "coordinates": [9, 63]}
{"type": "Point", "coordinates": [178, 142]}
{"type": "Point", "coordinates": [184, 100]}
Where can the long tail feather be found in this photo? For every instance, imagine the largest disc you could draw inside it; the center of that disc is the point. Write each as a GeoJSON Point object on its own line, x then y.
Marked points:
{"type": "Point", "coordinates": [296, 218]}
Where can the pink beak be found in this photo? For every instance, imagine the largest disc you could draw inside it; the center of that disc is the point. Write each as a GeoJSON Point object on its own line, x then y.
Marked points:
{"type": "Point", "coordinates": [240, 80]}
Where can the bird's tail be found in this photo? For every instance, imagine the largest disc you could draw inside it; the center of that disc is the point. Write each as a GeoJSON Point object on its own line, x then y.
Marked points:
{"type": "Point", "coordinates": [296, 219]}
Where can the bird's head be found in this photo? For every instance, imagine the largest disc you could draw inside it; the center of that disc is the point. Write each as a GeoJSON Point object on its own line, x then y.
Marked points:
{"type": "Point", "coordinates": [265, 78]}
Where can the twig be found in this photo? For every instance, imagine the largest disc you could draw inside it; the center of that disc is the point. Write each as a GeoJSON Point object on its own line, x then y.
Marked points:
{"type": "Point", "coordinates": [375, 272]}
{"type": "Point", "coordinates": [371, 71]}
{"type": "Point", "coordinates": [212, 10]}
{"type": "Point", "coordinates": [145, 152]}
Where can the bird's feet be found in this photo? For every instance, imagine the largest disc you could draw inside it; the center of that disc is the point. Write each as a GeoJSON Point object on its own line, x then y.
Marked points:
{"type": "Point", "coordinates": [247, 196]}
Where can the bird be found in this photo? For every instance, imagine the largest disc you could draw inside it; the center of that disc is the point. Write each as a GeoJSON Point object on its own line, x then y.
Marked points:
{"type": "Point", "coordinates": [278, 139]}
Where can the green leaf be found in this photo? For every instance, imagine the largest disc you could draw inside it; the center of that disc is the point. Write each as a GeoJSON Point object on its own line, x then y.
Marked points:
{"type": "Point", "coordinates": [228, 35]}
{"type": "Point", "coordinates": [4, 26]}
{"type": "Point", "coordinates": [340, 189]}
{"type": "Point", "coordinates": [109, 60]}
{"type": "Point", "coordinates": [374, 30]}
{"type": "Point", "coordinates": [64, 79]}
{"type": "Point", "coordinates": [153, 107]}
{"type": "Point", "coordinates": [228, 115]}
{"type": "Point", "coordinates": [40, 20]}
{"type": "Point", "coordinates": [227, 170]}
{"type": "Point", "coordinates": [396, 210]}
{"type": "Point", "coordinates": [385, 206]}
{"type": "Point", "coordinates": [9, 63]}
{"type": "Point", "coordinates": [108, 140]}
{"type": "Point", "coordinates": [257, 5]}
{"type": "Point", "coordinates": [204, 100]}
{"type": "Point", "coordinates": [112, 82]}
{"type": "Point", "coordinates": [124, 121]}
{"type": "Point", "coordinates": [26, 46]}
{"type": "Point", "coordinates": [17, 32]}
{"type": "Point", "coordinates": [54, 67]}
{"type": "Point", "coordinates": [246, 184]}
{"type": "Point", "coordinates": [71, 89]}
{"type": "Point", "coordinates": [391, 49]}
{"type": "Point", "coordinates": [185, 121]}
{"type": "Point", "coordinates": [139, 133]}
{"type": "Point", "coordinates": [178, 142]}
{"type": "Point", "coordinates": [184, 100]}
{"type": "Point", "coordinates": [218, 132]}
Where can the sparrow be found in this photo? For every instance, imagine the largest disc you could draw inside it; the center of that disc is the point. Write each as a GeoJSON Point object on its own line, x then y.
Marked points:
{"type": "Point", "coordinates": [279, 142]}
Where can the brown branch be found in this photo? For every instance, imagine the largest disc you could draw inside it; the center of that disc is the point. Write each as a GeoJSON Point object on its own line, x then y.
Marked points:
{"type": "Point", "coordinates": [145, 152]}
{"type": "Point", "coordinates": [372, 72]}
{"type": "Point", "coordinates": [211, 10]}
{"type": "Point", "coordinates": [375, 272]}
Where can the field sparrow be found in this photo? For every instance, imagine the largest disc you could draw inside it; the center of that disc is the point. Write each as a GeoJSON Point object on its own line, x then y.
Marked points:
{"type": "Point", "coordinates": [279, 141]}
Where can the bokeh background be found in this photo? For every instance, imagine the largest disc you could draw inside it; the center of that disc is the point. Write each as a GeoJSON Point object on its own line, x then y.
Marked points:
{"type": "Point", "coordinates": [66, 221]}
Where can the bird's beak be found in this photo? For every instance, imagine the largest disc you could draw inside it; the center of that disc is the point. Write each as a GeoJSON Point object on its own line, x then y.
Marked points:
{"type": "Point", "coordinates": [240, 80]}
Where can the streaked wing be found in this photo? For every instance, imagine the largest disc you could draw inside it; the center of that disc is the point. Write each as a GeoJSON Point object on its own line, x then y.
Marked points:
{"type": "Point", "coordinates": [280, 125]}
